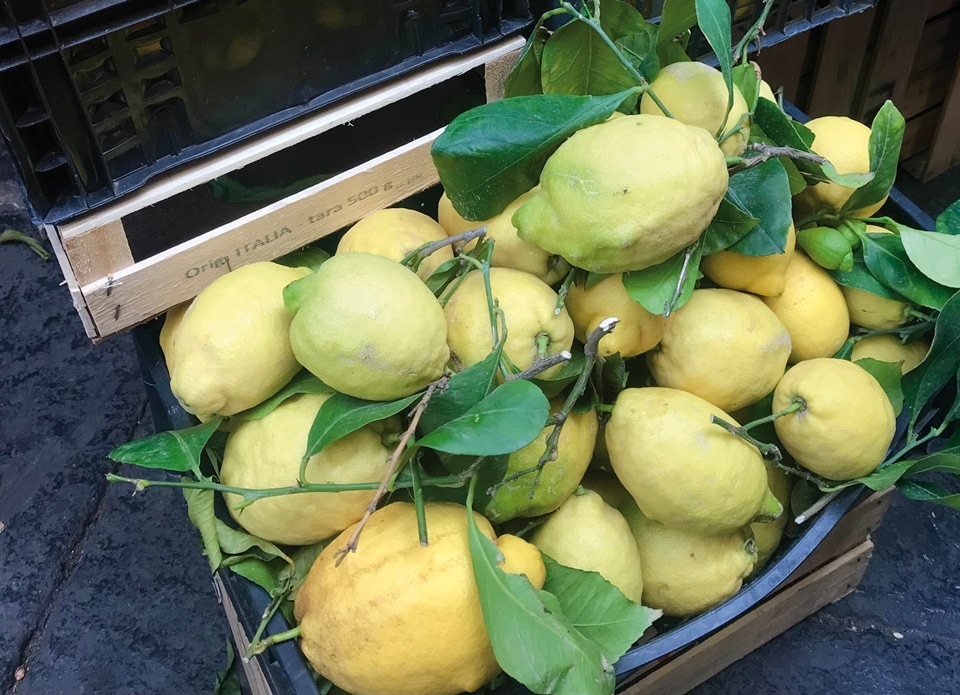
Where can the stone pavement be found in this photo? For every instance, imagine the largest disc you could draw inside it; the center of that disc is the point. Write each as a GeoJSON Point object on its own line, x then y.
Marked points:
{"type": "Point", "coordinates": [104, 592]}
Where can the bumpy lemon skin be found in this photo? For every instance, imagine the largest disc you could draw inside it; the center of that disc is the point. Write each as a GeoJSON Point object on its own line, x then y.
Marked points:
{"type": "Point", "coordinates": [763, 275]}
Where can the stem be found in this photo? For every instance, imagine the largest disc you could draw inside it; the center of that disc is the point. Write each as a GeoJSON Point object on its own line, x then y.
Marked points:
{"type": "Point", "coordinates": [290, 634]}
{"type": "Point", "coordinates": [684, 271]}
{"type": "Point", "coordinates": [604, 407]}
{"type": "Point", "coordinates": [753, 33]}
{"type": "Point", "coordinates": [913, 442]}
{"type": "Point", "coordinates": [484, 268]}
{"type": "Point", "coordinates": [542, 342]}
{"type": "Point", "coordinates": [805, 475]}
{"type": "Point", "coordinates": [765, 152]}
{"type": "Point", "coordinates": [255, 644]}
{"type": "Point", "coordinates": [418, 501]}
{"type": "Point", "coordinates": [541, 364]}
{"type": "Point", "coordinates": [816, 507]}
{"type": "Point", "coordinates": [564, 290]}
{"type": "Point", "coordinates": [766, 450]}
{"type": "Point", "coordinates": [738, 128]}
{"type": "Point", "coordinates": [351, 546]}
{"type": "Point", "coordinates": [798, 405]}
{"type": "Point", "coordinates": [417, 256]}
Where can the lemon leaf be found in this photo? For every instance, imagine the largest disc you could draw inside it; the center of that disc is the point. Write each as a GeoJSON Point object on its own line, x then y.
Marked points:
{"type": "Point", "coordinates": [576, 60]}
{"type": "Point", "coordinates": [728, 226]}
{"type": "Point", "coordinates": [861, 278]}
{"type": "Point", "coordinates": [524, 79]}
{"type": "Point", "coordinates": [888, 375]}
{"type": "Point", "coordinates": [948, 221]}
{"type": "Point", "coordinates": [464, 390]}
{"type": "Point", "coordinates": [936, 255]}
{"type": "Point", "coordinates": [304, 382]}
{"type": "Point", "coordinates": [713, 18]}
{"type": "Point", "coordinates": [174, 450]}
{"type": "Point", "coordinates": [941, 363]}
{"type": "Point", "coordinates": [342, 414]}
{"type": "Point", "coordinates": [676, 17]}
{"type": "Point", "coordinates": [200, 511]}
{"type": "Point", "coordinates": [764, 193]}
{"type": "Point", "coordinates": [887, 260]}
{"type": "Point", "coordinates": [886, 137]}
{"type": "Point", "coordinates": [235, 542]}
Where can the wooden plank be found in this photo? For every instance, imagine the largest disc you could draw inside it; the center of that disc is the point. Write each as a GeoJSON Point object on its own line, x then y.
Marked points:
{"type": "Point", "coordinates": [251, 667]}
{"type": "Point", "coordinates": [71, 280]}
{"type": "Point", "coordinates": [837, 74]}
{"type": "Point", "coordinates": [939, 7]}
{"type": "Point", "coordinates": [945, 146]}
{"type": "Point", "coordinates": [787, 608]}
{"type": "Point", "coordinates": [146, 289]}
{"type": "Point", "coordinates": [939, 42]}
{"type": "Point", "coordinates": [98, 253]}
{"type": "Point", "coordinates": [901, 29]}
{"type": "Point", "coordinates": [918, 133]}
{"type": "Point", "coordinates": [200, 172]}
{"type": "Point", "coordinates": [782, 64]}
{"type": "Point", "coordinates": [927, 89]}
{"type": "Point", "coordinates": [495, 74]}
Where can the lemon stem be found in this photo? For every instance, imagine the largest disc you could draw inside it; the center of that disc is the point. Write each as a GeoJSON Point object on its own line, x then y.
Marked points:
{"type": "Point", "coordinates": [766, 450]}
{"type": "Point", "coordinates": [543, 344]}
{"type": "Point", "coordinates": [564, 290]}
{"type": "Point", "coordinates": [257, 646]}
{"type": "Point", "coordinates": [413, 259]}
{"type": "Point", "coordinates": [541, 364]}
{"type": "Point", "coordinates": [753, 33]}
{"type": "Point", "coordinates": [669, 305]}
{"type": "Point", "coordinates": [816, 507]}
{"type": "Point", "coordinates": [765, 152]}
{"type": "Point", "coordinates": [798, 405]}
{"type": "Point", "coordinates": [418, 501]}
{"type": "Point", "coordinates": [262, 646]}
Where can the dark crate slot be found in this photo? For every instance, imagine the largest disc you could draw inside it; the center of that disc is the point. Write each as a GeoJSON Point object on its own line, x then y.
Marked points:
{"type": "Point", "coordinates": [133, 88]}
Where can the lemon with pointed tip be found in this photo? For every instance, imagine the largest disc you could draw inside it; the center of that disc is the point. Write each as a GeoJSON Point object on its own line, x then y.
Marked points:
{"type": "Point", "coordinates": [888, 348]}
{"type": "Point", "coordinates": [637, 331]}
{"type": "Point", "coordinates": [763, 275]}
{"type": "Point", "coordinates": [767, 535]}
{"type": "Point", "coordinates": [229, 349]}
{"type": "Point", "coordinates": [398, 618]}
{"type": "Point", "coordinates": [696, 94]}
{"type": "Point", "coordinates": [846, 424]}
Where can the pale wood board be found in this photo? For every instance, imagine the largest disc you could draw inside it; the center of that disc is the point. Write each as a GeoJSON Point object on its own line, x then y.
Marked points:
{"type": "Point", "coordinates": [257, 147]}
{"type": "Point", "coordinates": [785, 609]}
{"type": "Point", "coordinates": [76, 296]}
{"type": "Point", "coordinates": [251, 667]}
{"type": "Point", "coordinates": [146, 289]}
{"type": "Point", "coordinates": [99, 253]}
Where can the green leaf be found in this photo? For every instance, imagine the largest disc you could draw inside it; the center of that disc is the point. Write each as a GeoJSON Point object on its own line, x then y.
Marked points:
{"type": "Point", "coordinates": [641, 50]}
{"type": "Point", "coordinates": [764, 193]}
{"type": "Point", "coordinates": [174, 450]}
{"type": "Point", "coordinates": [886, 136]}
{"type": "Point", "coordinates": [576, 60]}
{"type": "Point", "coordinates": [201, 512]}
{"type": "Point", "coordinates": [592, 279]}
{"type": "Point", "coordinates": [861, 278]}
{"type": "Point", "coordinates": [928, 492]}
{"type": "Point", "coordinates": [524, 79]}
{"type": "Point", "coordinates": [235, 542]}
{"type": "Point", "coordinates": [10, 236]}
{"type": "Point", "coordinates": [464, 390]}
{"type": "Point", "coordinates": [888, 375]}
{"type": "Point", "coordinates": [746, 80]}
{"type": "Point", "coordinates": [676, 17]}
{"type": "Point", "coordinates": [936, 255]}
{"type": "Point", "coordinates": [948, 221]}
{"type": "Point", "coordinates": [654, 288]}
{"type": "Point", "coordinates": [308, 257]}
{"type": "Point", "coordinates": [941, 362]}
{"type": "Point", "coordinates": [727, 227]}
{"type": "Point", "coordinates": [597, 609]}
{"type": "Point", "coordinates": [491, 154]}
{"type": "Point", "coordinates": [713, 18]}
{"type": "Point", "coordinates": [258, 571]}
{"type": "Point", "coordinates": [304, 382]}
{"type": "Point", "coordinates": [342, 414]}
{"type": "Point", "coordinates": [532, 643]}
{"type": "Point", "coordinates": [445, 273]}
{"type": "Point", "coordinates": [797, 182]}
{"type": "Point", "coordinates": [303, 559]}
{"type": "Point", "coordinates": [508, 419]}
{"type": "Point", "coordinates": [888, 262]}
{"type": "Point", "coordinates": [886, 476]}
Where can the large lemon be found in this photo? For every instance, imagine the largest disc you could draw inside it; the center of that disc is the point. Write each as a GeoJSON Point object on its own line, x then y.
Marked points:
{"type": "Point", "coordinates": [398, 618]}
{"type": "Point", "coordinates": [813, 310]}
{"type": "Point", "coordinates": [266, 453]}
{"type": "Point", "coordinates": [229, 349]}
{"type": "Point", "coordinates": [685, 573]}
{"type": "Point", "coordinates": [847, 423]}
{"type": "Point", "coordinates": [725, 346]}
{"type": "Point", "coordinates": [534, 328]}
{"type": "Point", "coordinates": [767, 536]}
{"type": "Point", "coordinates": [588, 534]}
{"type": "Point", "coordinates": [845, 143]}
{"type": "Point", "coordinates": [509, 250]}
{"type": "Point", "coordinates": [695, 94]}
{"type": "Point", "coordinates": [368, 327]}
{"type": "Point", "coordinates": [638, 329]}
{"type": "Point", "coordinates": [681, 469]}
{"type": "Point", "coordinates": [888, 348]}
{"type": "Point", "coordinates": [602, 210]}
{"type": "Point", "coordinates": [395, 232]}
{"type": "Point", "coordinates": [763, 275]}
{"type": "Point", "coordinates": [560, 476]}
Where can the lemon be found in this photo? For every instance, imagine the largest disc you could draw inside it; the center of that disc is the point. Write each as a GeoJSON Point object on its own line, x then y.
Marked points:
{"type": "Point", "coordinates": [870, 311]}
{"type": "Point", "coordinates": [847, 424]}
{"type": "Point", "coordinates": [396, 618]}
{"type": "Point", "coordinates": [681, 469]}
{"type": "Point", "coordinates": [767, 93]}
{"type": "Point", "coordinates": [638, 329]}
{"type": "Point", "coordinates": [601, 211]}
{"type": "Point", "coordinates": [560, 476]}
{"type": "Point", "coordinates": [528, 304]}
{"type": "Point", "coordinates": [695, 93]}
{"type": "Point", "coordinates": [266, 453]}
{"type": "Point", "coordinates": [368, 327]}
{"type": "Point", "coordinates": [229, 349]}
{"type": "Point", "coordinates": [888, 348]}
{"type": "Point", "coordinates": [767, 536]}
{"type": "Point", "coordinates": [763, 275]}
{"type": "Point", "coordinates": [685, 573]}
{"type": "Point", "coordinates": [588, 534]}
{"type": "Point", "coordinates": [509, 250]}
{"type": "Point", "coordinates": [813, 310]}
{"type": "Point", "coordinates": [845, 143]}
{"type": "Point", "coordinates": [395, 232]}
{"type": "Point", "coordinates": [724, 346]}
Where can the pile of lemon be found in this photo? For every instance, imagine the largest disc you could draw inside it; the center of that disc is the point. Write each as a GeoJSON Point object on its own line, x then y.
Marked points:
{"type": "Point", "coordinates": [669, 506]}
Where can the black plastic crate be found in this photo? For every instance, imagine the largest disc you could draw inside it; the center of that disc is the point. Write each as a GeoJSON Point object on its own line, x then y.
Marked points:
{"type": "Point", "coordinates": [98, 96]}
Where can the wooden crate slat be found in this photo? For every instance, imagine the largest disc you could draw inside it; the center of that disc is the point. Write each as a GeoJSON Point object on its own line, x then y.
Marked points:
{"type": "Point", "coordinates": [782, 64]}
{"type": "Point", "coordinates": [98, 253]}
{"type": "Point", "coordinates": [939, 41]}
{"type": "Point", "coordinates": [945, 147]}
{"type": "Point", "coordinates": [837, 73]}
{"type": "Point", "coordinates": [927, 89]}
{"type": "Point", "coordinates": [76, 296]}
{"type": "Point", "coordinates": [146, 289]}
{"type": "Point", "coordinates": [251, 667]}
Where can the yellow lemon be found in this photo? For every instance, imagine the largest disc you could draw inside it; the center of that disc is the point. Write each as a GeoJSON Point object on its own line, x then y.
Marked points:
{"type": "Point", "coordinates": [813, 310]}
{"type": "Point", "coordinates": [601, 211]}
{"type": "Point", "coordinates": [266, 453]}
{"type": "Point", "coordinates": [695, 93]}
{"type": "Point", "coordinates": [395, 232]}
{"type": "Point", "coordinates": [229, 349]}
{"type": "Point", "coordinates": [638, 329]}
{"type": "Point", "coordinates": [870, 311]}
{"type": "Point", "coordinates": [588, 534]}
{"type": "Point", "coordinates": [398, 618]}
{"type": "Point", "coordinates": [847, 423]}
{"type": "Point", "coordinates": [724, 346]}
{"type": "Point", "coordinates": [767, 536]}
{"type": "Point", "coordinates": [888, 348]}
{"type": "Point", "coordinates": [681, 469]}
{"type": "Point", "coordinates": [763, 275]}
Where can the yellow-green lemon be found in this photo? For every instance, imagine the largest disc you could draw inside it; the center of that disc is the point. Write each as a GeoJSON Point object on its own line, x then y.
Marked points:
{"type": "Point", "coordinates": [763, 275]}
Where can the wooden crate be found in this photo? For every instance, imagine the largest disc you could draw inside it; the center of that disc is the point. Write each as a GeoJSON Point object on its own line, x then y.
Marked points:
{"type": "Point", "coordinates": [113, 292]}
{"type": "Point", "coordinates": [828, 574]}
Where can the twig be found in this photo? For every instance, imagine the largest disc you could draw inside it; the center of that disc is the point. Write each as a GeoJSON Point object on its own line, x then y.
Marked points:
{"type": "Point", "coordinates": [816, 507]}
{"type": "Point", "coordinates": [255, 644]}
{"type": "Point", "coordinates": [416, 257]}
{"type": "Point", "coordinates": [766, 450]}
{"type": "Point", "coordinates": [351, 546]}
{"type": "Point", "coordinates": [765, 152]}
{"type": "Point", "coordinates": [290, 634]}
{"type": "Point", "coordinates": [684, 271]}
{"type": "Point", "coordinates": [541, 364]}
{"type": "Point", "coordinates": [564, 291]}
